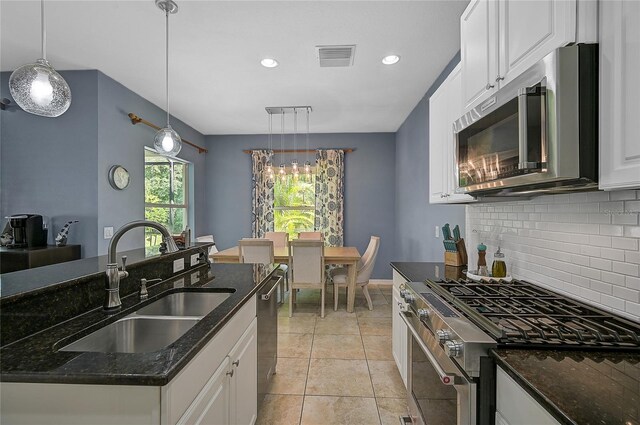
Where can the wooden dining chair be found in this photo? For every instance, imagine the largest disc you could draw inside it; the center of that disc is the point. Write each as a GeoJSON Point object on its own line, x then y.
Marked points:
{"type": "Point", "coordinates": [306, 261]}
{"type": "Point", "coordinates": [340, 275]}
{"type": "Point", "coordinates": [316, 236]}
{"type": "Point", "coordinates": [280, 240]}
{"type": "Point", "coordinates": [256, 251]}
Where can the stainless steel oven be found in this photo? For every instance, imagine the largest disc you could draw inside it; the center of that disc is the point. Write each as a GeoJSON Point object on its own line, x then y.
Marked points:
{"type": "Point", "coordinates": [536, 134]}
{"type": "Point", "coordinates": [444, 349]}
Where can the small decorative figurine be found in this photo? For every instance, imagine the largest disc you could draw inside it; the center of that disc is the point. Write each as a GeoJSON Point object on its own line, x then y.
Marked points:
{"type": "Point", "coordinates": [61, 238]}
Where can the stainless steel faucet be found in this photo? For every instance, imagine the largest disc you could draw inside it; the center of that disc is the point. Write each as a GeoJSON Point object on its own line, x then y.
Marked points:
{"type": "Point", "coordinates": [112, 300]}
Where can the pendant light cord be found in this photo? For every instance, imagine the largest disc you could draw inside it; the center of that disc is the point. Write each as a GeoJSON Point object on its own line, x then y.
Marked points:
{"type": "Point", "coordinates": [43, 31]}
{"type": "Point", "coordinates": [167, 61]}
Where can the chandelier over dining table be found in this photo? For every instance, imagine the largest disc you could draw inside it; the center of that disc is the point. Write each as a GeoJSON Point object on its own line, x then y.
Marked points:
{"type": "Point", "coordinates": [295, 169]}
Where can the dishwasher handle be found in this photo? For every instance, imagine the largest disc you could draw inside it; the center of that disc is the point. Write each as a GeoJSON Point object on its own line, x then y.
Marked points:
{"type": "Point", "coordinates": [268, 295]}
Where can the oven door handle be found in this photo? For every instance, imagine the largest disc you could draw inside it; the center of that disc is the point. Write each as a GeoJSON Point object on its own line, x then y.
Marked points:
{"type": "Point", "coordinates": [445, 378]}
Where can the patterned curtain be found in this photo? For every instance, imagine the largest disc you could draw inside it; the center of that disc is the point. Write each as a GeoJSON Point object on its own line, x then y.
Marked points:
{"type": "Point", "coordinates": [330, 195]}
{"type": "Point", "coordinates": [262, 195]}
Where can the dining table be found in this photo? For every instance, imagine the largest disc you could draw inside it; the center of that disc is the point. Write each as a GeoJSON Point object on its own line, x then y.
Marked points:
{"type": "Point", "coordinates": [347, 256]}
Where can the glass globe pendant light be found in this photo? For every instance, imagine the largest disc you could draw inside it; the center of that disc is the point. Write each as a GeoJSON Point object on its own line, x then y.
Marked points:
{"type": "Point", "coordinates": [37, 88]}
{"type": "Point", "coordinates": [167, 142]}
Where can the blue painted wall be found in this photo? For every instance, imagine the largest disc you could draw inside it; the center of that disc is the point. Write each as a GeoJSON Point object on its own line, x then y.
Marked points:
{"type": "Point", "coordinates": [369, 188]}
{"type": "Point", "coordinates": [48, 165]}
{"type": "Point", "coordinates": [415, 217]}
{"type": "Point", "coordinates": [58, 167]}
{"type": "Point", "coordinates": [119, 142]}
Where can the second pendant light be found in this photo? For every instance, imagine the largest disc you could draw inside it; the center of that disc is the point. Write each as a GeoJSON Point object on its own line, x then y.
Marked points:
{"type": "Point", "coordinates": [167, 141]}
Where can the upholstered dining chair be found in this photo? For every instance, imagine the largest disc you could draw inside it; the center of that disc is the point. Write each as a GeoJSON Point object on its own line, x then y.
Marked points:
{"type": "Point", "coordinates": [280, 240]}
{"type": "Point", "coordinates": [208, 238]}
{"type": "Point", "coordinates": [316, 236]}
{"type": "Point", "coordinates": [306, 261]}
{"type": "Point", "coordinates": [257, 251]}
{"type": "Point", "coordinates": [365, 267]}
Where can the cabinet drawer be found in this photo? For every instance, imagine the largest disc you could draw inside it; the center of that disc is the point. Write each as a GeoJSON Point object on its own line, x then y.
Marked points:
{"type": "Point", "coordinates": [515, 406]}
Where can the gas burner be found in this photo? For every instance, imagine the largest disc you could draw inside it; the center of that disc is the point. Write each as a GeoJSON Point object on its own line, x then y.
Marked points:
{"type": "Point", "coordinates": [520, 313]}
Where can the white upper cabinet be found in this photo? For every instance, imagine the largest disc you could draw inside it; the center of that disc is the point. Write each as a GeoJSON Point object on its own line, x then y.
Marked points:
{"type": "Point", "coordinates": [479, 50]}
{"type": "Point", "coordinates": [619, 94]}
{"type": "Point", "coordinates": [529, 30]}
{"type": "Point", "coordinates": [445, 106]}
{"type": "Point", "coordinates": [502, 39]}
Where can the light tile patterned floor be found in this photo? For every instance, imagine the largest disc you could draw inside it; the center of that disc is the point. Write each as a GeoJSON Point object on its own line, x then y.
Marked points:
{"type": "Point", "coordinates": [338, 369]}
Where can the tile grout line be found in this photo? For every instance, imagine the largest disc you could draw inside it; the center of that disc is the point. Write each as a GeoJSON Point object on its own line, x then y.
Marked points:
{"type": "Point", "coordinates": [373, 389]}
{"type": "Point", "coordinates": [304, 392]}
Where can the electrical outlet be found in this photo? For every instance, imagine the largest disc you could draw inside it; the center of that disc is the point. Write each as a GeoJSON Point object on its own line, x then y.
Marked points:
{"type": "Point", "coordinates": [178, 265]}
{"type": "Point", "coordinates": [108, 232]}
{"type": "Point", "coordinates": [195, 277]}
{"type": "Point", "coordinates": [194, 259]}
{"type": "Point", "coordinates": [179, 283]}
{"type": "Point", "coordinates": [437, 232]}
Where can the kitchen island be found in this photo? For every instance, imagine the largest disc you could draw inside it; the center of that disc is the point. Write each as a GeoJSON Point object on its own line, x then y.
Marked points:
{"type": "Point", "coordinates": [189, 379]}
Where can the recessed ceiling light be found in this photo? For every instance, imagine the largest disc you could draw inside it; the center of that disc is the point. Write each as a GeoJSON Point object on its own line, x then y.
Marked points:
{"type": "Point", "coordinates": [390, 60]}
{"type": "Point", "coordinates": [269, 63]}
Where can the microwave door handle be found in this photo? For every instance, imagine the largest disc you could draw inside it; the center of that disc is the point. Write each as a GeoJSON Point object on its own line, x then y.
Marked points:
{"type": "Point", "coordinates": [523, 142]}
{"type": "Point", "coordinates": [445, 378]}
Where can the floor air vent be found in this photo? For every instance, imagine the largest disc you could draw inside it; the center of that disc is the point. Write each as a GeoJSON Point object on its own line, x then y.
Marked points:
{"type": "Point", "coordinates": [331, 56]}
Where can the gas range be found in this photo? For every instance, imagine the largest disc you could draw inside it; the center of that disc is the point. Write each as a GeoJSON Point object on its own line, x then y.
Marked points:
{"type": "Point", "coordinates": [468, 318]}
{"type": "Point", "coordinates": [524, 315]}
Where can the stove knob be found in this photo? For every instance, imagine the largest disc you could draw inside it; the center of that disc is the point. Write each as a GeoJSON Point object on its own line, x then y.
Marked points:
{"type": "Point", "coordinates": [453, 348]}
{"type": "Point", "coordinates": [423, 313]}
{"type": "Point", "coordinates": [443, 335]}
{"type": "Point", "coordinates": [409, 298]}
{"type": "Point", "coordinates": [403, 293]}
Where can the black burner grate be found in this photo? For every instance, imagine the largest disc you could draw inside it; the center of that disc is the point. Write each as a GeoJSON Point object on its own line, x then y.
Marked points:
{"type": "Point", "coordinates": [520, 313]}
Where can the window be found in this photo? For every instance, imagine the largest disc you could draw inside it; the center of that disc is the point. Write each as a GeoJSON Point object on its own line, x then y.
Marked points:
{"type": "Point", "coordinates": [166, 188]}
{"type": "Point", "coordinates": [294, 204]}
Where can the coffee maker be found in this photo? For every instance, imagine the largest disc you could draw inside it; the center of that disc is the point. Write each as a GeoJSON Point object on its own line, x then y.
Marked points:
{"type": "Point", "coordinates": [28, 231]}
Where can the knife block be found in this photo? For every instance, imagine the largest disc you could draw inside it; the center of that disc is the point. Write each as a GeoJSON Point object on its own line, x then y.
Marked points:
{"type": "Point", "coordinates": [456, 258]}
{"type": "Point", "coordinates": [453, 259]}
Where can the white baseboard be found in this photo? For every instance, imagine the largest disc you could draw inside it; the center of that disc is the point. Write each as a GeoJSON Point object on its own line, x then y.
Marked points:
{"type": "Point", "coordinates": [381, 281]}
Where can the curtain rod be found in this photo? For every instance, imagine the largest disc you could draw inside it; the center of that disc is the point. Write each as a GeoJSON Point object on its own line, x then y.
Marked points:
{"type": "Point", "coordinates": [349, 150]}
{"type": "Point", "coordinates": [137, 120]}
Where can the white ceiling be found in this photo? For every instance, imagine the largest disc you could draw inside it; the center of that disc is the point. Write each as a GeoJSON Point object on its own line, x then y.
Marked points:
{"type": "Point", "coordinates": [217, 83]}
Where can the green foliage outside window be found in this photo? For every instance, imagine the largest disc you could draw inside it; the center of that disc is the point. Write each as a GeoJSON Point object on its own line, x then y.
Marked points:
{"type": "Point", "coordinates": [294, 204]}
{"type": "Point", "coordinates": [165, 189]}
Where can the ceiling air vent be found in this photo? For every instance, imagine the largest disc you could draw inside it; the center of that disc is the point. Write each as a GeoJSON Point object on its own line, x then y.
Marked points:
{"type": "Point", "coordinates": [335, 55]}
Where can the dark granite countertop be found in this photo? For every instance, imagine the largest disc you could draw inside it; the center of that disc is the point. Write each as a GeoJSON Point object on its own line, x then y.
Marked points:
{"type": "Point", "coordinates": [578, 387]}
{"type": "Point", "coordinates": [35, 359]}
{"type": "Point", "coordinates": [41, 278]}
{"type": "Point", "coordinates": [419, 272]}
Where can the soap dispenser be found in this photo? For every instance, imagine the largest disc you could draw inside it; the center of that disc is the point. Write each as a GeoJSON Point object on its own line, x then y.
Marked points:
{"type": "Point", "coordinates": [499, 267]}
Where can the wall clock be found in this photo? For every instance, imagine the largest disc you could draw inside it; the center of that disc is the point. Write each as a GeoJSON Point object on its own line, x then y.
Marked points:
{"type": "Point", "coordinates": [118, 177]}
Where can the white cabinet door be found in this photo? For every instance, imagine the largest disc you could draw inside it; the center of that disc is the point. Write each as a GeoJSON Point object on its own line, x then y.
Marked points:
{"type": "Point", "coordinates": [479, 51]}
{"type": "Point", "coordinates": [211, 406]}
{"type": "Point", "coordinates": [438, 111]}
{"type": "Point", "coordinates": [244, 378]}
{"type": "Point", "coordinates": [445, 106]}
{"type": "Point", "coordinates": [515, 406]}
{"type": "Point", "coordinates": [530, 30]}
{"type": "Point", "coordinates": [398, 336]}
{"type": "Point", "coordinates": [619, 94]}
{"type": "Point", "coordinates": [455, 111]}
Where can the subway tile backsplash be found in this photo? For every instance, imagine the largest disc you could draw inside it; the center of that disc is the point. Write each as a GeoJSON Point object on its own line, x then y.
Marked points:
{"type": "Point", "coordinates": [585, 245]}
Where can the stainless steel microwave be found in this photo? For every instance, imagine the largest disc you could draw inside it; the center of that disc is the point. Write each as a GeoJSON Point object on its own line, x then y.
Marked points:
{"type": "Point", "coordinates": [538, 133]}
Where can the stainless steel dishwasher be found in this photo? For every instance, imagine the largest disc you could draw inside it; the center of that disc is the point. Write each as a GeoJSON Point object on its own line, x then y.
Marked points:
{"type": "Point", "coordinates": [267, 335]}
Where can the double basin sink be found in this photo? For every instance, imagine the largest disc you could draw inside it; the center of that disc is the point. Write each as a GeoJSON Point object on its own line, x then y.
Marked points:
{"type": "Point", "coordinates": [154, 326]}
